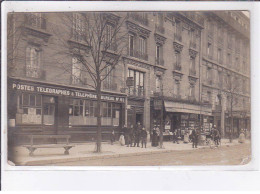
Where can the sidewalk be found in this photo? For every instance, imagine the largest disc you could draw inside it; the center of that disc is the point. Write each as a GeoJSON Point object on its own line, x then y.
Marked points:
{"type": "Point", "coordinates": [84, 151]}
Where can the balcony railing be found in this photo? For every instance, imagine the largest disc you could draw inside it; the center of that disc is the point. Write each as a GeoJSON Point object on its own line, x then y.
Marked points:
{"type": "Point", "coordinates": [111, 46]}
{"type": "Point", "coordinates": [191, 98]}
{"type": "Point", "coordinates": [177, 96]}
{"type": "Point", "coordinates": [137, 91]}
{"type": "Point", "coordinates": [238, 50]}
{"type": "Point", "coordinates": [192, 72]}
{"type": "Point", "coordinates": [109, 86]}
{"type": "Point", "coordinates": [195, 17]}
{"type": "Point", "coordinates": [177, 37]}
{"type": "Point", "coordinates": [140, 18]}
{"type": "Point", "coordinates": [157, 93]}
{"type": "Point", "coordinates": [210, 57]}
{"type": "Point", "coordinates": [210, 34]}
{"type": "Point", "coordinates": [160, 28]}
{"type": "Point", "coordinates": [220, 40]}
{"type": "Point", "coordinates": [35, 72]}
{"type": "Point", "coordinates": [35, 21]}
{"type": "Point", "coordinates": [193, 45]}
{"type": "Point", "coordinates": [138, 54]}
{"type": "Point", "coordinates": [177, 67]}
{"type": "Point", "coordinates": [230, 45]}
{"type": "Point", "coordinates": [218, 108]}
{"type": "Point", "coordinates": [159, 61]}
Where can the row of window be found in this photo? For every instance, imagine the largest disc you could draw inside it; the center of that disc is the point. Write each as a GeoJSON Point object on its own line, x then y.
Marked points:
{"type": "Point", "coordinates": [84, 112]}
{"type": "Point", "coordinates": [220, 58]}
{"type": "Point", "coordinates": [35, 109]}
{"type": "Point", "coordinates": [38, 109]}
{"type": "Point", "coordinates": [239, 85]}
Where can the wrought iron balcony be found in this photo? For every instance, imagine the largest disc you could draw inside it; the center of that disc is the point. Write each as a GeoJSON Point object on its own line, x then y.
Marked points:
{"type": "Point", "coordinates": [177, 37]}
{"type": "Point", "coordinates": [177, 67]}
{"type": "Point", "coordinates": [177, 96]}
{"type": "Point", "coordinates": [192, 72]}
{"type": "Point", "coordinates": [229, 45]}
{"type": "Point", "coordinates": [159, 28]}
{"type": "Point", "coordinates": [218, 107]}
{"type": "Point", "coordinates": [35, 72]}
{"type": "Point", "coordinates": [210, 57]}
{"type": "Point", "coordinates": [210, 34]}
{"type": "Point", "coordinates": [109, 86]}
{"type": "Point", "coordinates": [193, 45]}
{"type": "Point", "coordinates": [191, 98]}
{"type": "Point", "coordinates": [159, 61]}
{"type": "Point", "coordinates": [138, 54]}
{"type": "Point", "coordinates": [210, 82]}
{"type": "Point", "coordinates": [136, 91]}
{"type": "Point", "coordinates": [220, 40]}
{"type": "Point", "coordinates": [35, 21]}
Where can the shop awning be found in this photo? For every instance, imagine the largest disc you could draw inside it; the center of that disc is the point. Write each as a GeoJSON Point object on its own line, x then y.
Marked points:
{"type": "Point", "coordinates": [186, 108]}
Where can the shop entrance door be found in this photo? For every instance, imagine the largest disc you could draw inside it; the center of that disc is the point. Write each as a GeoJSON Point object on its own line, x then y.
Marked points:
{"type": "Point", "coordinates": [49, 112]}
{"type": "Point", "coordinates": [139, 118]}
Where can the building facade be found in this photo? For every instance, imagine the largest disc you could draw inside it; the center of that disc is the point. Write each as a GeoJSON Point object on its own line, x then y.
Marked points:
{"type": "Point", "coordinates": [175, 66]}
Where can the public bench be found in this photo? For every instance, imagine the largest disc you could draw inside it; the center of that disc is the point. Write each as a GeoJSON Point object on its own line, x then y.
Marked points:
{"type": "Point", "coordinates": [65, 144]}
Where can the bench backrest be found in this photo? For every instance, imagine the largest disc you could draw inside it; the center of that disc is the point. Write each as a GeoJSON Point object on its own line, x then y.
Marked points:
{"type": "Point", "coordinates": [32, 137]}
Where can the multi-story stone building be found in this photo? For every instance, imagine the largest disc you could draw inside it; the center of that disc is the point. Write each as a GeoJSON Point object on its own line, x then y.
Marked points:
{"type": "Point", "coordinates": [226, 69]}
{"type": "Point", "coordinates": [167, 65]}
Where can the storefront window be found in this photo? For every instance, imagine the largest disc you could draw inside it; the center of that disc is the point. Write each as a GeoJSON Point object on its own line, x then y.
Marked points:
{"type": "Point", "coordinates": [84, 112]}
{"type": "Point", "coordinates": [29, 109]}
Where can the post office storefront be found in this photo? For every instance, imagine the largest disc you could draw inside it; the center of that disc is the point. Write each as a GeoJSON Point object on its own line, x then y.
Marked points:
{"type": "Point", "coordinates": [40, 108]}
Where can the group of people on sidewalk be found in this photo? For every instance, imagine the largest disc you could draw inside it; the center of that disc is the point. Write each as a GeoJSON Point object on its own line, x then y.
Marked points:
{"type": "Point", "coordinates": [131, 136]}
{"type": "Point", "coordinates": [134, 136]}
{"type": "Point", "coordinates": [194, 136]}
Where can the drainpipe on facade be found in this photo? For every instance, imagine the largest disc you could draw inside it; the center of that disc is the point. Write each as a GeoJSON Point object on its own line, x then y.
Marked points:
{"type": "Point", "coordinates": [200, 63]}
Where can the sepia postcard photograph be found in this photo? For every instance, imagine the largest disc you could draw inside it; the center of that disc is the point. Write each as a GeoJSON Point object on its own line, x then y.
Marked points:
{"type": "Point", "coordinates": [132, 88]}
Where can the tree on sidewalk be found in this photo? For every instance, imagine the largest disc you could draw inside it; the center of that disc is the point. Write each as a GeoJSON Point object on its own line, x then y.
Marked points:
{"type": "Point", "coordinates": [95, 44]}
{"type": "Point", "coordinates": [233, 88]}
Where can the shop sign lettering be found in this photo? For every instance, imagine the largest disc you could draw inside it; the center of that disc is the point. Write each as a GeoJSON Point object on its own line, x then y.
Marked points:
{"type": "Point", "coordinates": [63, 92]}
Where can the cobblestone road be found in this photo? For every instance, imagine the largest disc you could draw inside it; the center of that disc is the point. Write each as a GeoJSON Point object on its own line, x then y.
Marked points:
{"type": "Point", "coordinates": [232, 155]}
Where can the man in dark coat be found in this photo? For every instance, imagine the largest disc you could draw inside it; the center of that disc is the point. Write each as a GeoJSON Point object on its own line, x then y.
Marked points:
{"type": "Point", "coordinates": [126, 134]}
{"type": "Point", "coordinates": [195, 138]}
{"type": "Point", "coordinates": [137, 134]}
{"type": "Point", "coordinates": [143, 137]}
{"type": "Point", "coordinates": [131, 136]}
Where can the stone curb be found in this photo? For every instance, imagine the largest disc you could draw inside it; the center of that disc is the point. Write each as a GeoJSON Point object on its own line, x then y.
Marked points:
{"type": "Point", "coordinates": [77, 158]}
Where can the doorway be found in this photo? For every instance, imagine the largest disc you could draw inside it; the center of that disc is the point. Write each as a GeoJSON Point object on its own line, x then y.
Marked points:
{"type": "Point", "coordinates": [139, 118]}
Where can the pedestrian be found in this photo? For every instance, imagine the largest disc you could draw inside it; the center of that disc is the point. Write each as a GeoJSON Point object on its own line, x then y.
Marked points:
{"type": "Point", "coordinates": [242, 137]}
{"type": "Point", "coordinates": [195, 136]}
{"type": "Point", "coordinates": [215, 135]}
{"type": "Point", "coordinates": [143, 137]}
{"type": "Point", "coordinates": [112, 137]}
{"type": "Point", "coordinates": [126, 135]}
{"type": "Point", "coordinates": [178, 135]}
{"type": "Point", "coordinates": [186, 136]}
{"type": "Point", "coordinates": [131, 136]}
{"type": "Point", "coordinates": [122, 140]}
{"type": "Point", "coordinates": [154, 138]}
{"type": "Point", "coordinates": [174, 136]}
{"type": "Point", "coordinates": [137, 134]}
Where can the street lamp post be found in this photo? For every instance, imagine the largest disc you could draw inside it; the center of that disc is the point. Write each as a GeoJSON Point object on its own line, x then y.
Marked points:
{"type": "Point", "coordinates": [161, 128]}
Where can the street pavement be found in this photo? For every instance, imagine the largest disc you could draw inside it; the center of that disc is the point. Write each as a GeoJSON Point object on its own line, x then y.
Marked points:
{"type": "Point", "coordinates": [225, 155]}
{"type": "Point", "coordinates": [85, 152]}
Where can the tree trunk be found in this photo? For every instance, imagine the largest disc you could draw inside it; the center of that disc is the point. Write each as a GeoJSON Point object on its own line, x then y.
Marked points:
{"type": "Point", "coordinates": [99, 132]}
{"type": "Point", "coordinates": [231, 126]}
